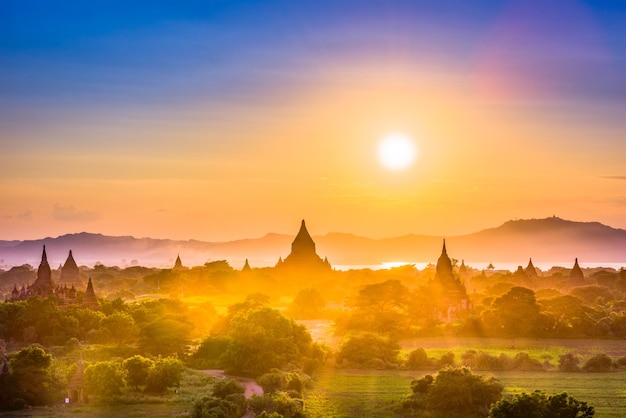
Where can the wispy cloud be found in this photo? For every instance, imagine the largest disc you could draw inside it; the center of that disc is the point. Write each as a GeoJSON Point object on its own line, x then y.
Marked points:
{"type": "Point", "coordinates": [70, 213]}
{"type": "Point", "coordinates": [614, 177]}
{"type": "Point", "coordinates": [27, 215]}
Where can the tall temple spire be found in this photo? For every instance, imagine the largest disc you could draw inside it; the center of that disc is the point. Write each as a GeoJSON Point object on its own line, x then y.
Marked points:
{"type": "Point", "coordinates": [444, 265]}
{"type": "Point", "coordinates": [576, 276]}
{"type": "Point", "coordinates": [303, 251]}
{"type": "Point", "coordinates": [89, 299]}
{"type": "Point", "coordinates": [43, 286]}
{"type": "Point", "coordinates": [178, 265]}
{"type": "Point", "coordinates": [69, 271]}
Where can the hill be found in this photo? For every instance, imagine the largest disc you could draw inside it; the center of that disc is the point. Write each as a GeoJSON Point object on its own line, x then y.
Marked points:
{"type": "Point", "coordinates": [545, 240]}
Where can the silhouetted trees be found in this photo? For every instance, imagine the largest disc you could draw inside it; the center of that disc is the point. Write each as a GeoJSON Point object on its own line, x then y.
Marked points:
{"type": "Point", "coordinates": [453, 392]}
{"type": "Point", "coordinates": [540, 405]}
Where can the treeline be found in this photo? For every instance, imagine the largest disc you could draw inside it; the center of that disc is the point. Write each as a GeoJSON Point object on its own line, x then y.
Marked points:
{"type": "Point", "coordinates": [375, 351]}
{"type": "Point", "coordinates": [392, 308]}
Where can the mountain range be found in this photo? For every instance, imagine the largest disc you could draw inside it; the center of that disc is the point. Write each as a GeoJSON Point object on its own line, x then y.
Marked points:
{"type": "Point", "coordinates": [548, 240]}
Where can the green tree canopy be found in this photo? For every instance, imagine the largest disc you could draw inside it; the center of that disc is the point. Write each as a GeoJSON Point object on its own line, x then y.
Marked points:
{"type": "Point", "coordinates": [263, 339]}
{"type": "Point", "coordinates": [104, 379]}
{"type": "Point", "coordinates": [33, 378]}
{"type": "Point", "coordinates": [539, 405]}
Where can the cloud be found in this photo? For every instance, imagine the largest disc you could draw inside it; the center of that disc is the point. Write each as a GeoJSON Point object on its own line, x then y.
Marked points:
{"type": "Point", "coordinates": [614, 177]}
{"type": "Point", "coordinates": [27, 215]}
{"type": "Point", "coordinates": [70, 213]}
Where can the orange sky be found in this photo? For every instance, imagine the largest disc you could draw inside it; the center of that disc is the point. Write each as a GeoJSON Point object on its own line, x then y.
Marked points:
{"type": "Point", "coordinates": [496, 141]}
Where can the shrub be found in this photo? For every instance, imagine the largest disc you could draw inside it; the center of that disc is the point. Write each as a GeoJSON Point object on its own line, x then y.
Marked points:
{"type": "Point", "coordinates": [418, 359]}
{"type": "Point", "coordinates": [279, 403]}
{"type": "Point", "coordinates": [598, 363]}
{"type": "Point", "coordinates": [447, 360]}
{"type": "Point", "coordinates": [569, 363]}
{"type": "Point", "coordinates": [538, 405]}
{"type": "Point", "coordinates": [166, 373]}
{"type": "Point", "coordinates": [454, 392]}
{"type": "Point", "coordinates": [104, 379]}
{"type": "Point", "coordinates": [137, 368]}
{"type": "Point", "coordinates": [361, 351]}
{"type": "Point", "coordinates": [523, 362]}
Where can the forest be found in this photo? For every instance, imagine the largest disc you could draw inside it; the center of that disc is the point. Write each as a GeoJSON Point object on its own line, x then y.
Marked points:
{"type": "Point", "coordinates": [156, 330]}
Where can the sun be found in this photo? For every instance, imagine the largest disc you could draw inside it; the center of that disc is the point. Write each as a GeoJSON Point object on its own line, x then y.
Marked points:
{"type": "Point", "coordinates": [396, 152]}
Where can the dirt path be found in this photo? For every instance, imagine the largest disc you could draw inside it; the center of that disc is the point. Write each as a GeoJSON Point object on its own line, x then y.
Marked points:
{"type": "Point", "coordinates": [251, 386]}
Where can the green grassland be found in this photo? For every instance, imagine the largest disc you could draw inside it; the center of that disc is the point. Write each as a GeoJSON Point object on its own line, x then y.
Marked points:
{"type": "Point", "coordinates": [375, 393]}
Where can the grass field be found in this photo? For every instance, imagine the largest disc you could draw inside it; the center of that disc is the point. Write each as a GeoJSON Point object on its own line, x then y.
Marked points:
{"type": "Point", "coordinates": [374, 393]}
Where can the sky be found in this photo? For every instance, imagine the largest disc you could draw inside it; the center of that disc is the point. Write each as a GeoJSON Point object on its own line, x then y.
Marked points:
{"type": "Point", "coordinates": [220, 120]}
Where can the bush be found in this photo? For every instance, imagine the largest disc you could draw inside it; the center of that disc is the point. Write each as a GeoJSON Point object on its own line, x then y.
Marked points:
{"type": "Point", "coordinates": [447, 360]}
{"type": "Point", "coordinates": [369, 349]}
{"type": "Point", "coordinates": [485, 361]}
{"type": "Point", "coordinates": [227, 401]}
{"type": "Point", "coordinates": [104, 379]}
{"type": "Point", "coordinates": [418, 359]}
{"type": "Point", "coordinates": [226, 387]}
{"type": "Point", "coordinates": [598, 363]}
{"type": "Point", "coordinates": [455, 392]}
{"type": "Point", "coordinates": [569, 363]}
{"type": "Point", "coordinates": [538, 405]}
{"type": "Point", "coordinates": [524, 363]}
{"type": "Point", "coordinates": [277, 403]}
{"type": "Point", "coordinates": [212, 407]}
{"type": "Point", "coordinates": [166, 373]}
{"type": "Point", "coordinates": [138, 369]}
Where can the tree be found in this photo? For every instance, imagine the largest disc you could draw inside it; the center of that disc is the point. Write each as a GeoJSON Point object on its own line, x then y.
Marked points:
{"type": "Point", "coordinates": [381, 307]}
{"type": "Point", "coordinates": [369, 350]}
{"type": "Point", "coordinates": [454, 392]}
{"type": "Point", "coordinates": [137, 369]}
{"type": "Point", "coordinates": [276, 403]}
{"type": "Point", "coordinates": [538, 405]}
{"type": "Point", "coordinates": [32, 377]}
{"type": "Point", "coordinates": [165, 336]}
{"type": "Point", "coordinates": [104, 379]}
{"type": "Point", "coordinates": [227, 401]}
{"type": "Point", "coordinates": [166, 373]}
{"type": "Point", "coordinates": [121, 327]}
{"type": "Point", "coordinates": [515, 314]}
{"type": "Point", "coordinates": [308, 304]}
{"type": "Point", "coordinates": [263, 339]}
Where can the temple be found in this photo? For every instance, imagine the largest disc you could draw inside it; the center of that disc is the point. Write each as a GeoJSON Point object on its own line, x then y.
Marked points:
{"type": "Point", "coordinates": [44, 287]}
{"type": "Point", "coordinates": [531, 270]}
{"type": "Point", "coordinates": [89, 299]}
{"type": "Point", "coordinates": [178, 264]}
{"type": "Point", "coordinates": [454, 301]}
{"type": "Point", "coordinates": [69, 271]}
{"type": "Point", "coordinates": [303, 254]}
{"type": "Point", "coordinates": [576, 276]}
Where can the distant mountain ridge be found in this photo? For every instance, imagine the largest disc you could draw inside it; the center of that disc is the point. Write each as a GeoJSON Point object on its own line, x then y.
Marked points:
{"type": "Point", "coordinates": [548, 239]}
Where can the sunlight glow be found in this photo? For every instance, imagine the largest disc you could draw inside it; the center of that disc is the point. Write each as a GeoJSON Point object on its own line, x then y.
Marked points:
{"type": "Point", "coordinates": [396, 151]}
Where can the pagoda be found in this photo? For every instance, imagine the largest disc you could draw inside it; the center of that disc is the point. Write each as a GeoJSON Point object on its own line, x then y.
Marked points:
{"type": "Point", "coordinates": [43, 286]}
{"type": "Point", "coordinates": [576, 276]}
{"type": "Point", "coordinates": [303, 254]}
{"type": "Point", "coordinates": [69, 271]}
{"type": "Point", "coordinates": [89, 299]}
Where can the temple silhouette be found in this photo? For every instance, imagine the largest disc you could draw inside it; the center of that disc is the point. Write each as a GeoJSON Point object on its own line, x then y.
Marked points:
{"type": "Point", "coordinates": [303, 254]}
{"type": "Point", "coordinates": [44, 286]}
{"type": "Point", "coordinates": [453, 295]}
